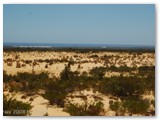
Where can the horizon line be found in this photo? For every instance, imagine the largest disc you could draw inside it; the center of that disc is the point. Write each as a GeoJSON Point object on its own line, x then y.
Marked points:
{"type": "Point", "coordinates": [77, 43]}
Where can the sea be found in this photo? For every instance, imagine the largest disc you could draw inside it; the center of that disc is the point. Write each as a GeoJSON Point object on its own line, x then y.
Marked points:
{"type": "Point", "coordinates": [63, 45]}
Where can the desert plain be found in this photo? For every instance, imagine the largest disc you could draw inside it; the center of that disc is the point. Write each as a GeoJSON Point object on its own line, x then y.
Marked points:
{"type": "Point", "coordinates": [91, 82]}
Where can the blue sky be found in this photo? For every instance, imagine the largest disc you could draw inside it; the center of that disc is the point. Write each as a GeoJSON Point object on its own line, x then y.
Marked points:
{"type": "Point", "coordinates": [85, 24]}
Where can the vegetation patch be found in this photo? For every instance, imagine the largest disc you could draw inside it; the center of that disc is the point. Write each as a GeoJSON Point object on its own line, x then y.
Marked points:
{"type": "Point", "coordinates": [131, 106]}
{"type": "Point", "coordinates": [86, 109]}
{"type": "Point", "coordinates": [122, 86]}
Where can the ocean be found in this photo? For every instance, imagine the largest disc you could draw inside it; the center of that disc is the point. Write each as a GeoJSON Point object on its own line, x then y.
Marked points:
{"type": "Point", "coordinates": [62, 45]}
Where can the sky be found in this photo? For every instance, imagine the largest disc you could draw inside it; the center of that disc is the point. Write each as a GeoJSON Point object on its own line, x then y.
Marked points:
{"type": "Point", "coordinates": [80, 24]}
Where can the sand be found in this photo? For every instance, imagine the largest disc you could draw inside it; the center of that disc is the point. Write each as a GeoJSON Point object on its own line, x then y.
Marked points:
{"type": "Point", "coordinates": [83, 62]}
{"type": "Point", "coordinates": [40, 105]}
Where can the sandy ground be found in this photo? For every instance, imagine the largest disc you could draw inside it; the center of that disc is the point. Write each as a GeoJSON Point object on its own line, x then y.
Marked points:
{"type": "Point", "coordinates": [82, 62]}
{"type": "Point", "coordinates": [91, 96]}
{"type": "Point", "coordinates": [40, 105]}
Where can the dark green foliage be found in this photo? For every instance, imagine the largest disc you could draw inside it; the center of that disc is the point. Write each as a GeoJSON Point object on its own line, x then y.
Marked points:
{"type": "Point", "coordinates": [121, 69]}
{"type": "Point", "coordinates": [146, 68]}
{"type": "Point", "coordinates": [32, 82]}
{"type": "Point", "coordinates": [6, 78]}
{"type": "Point", "coordinates": [146, 71]}
{"type": "Point", "coordinates": [86, 109]}
{"type": "Point", "coordinates": [56, 92]}
{"type": "Point", "coordinates": [12, 107]}
{"type": "Point", "coordinates": [114, 105]}
{"type": "Point", "coordinates": [113, 68]}
{"type": "Point", "coordinates": [150, 82]}
{"type": "Point", "coordinates": [131, 106]}
{"type": "Point", "coordinates": [67, 74]}
{"type": "Point", "coordinates": [122, 86]}
{"type": "Point", "coordinates": [27, 81]}
{"type": "Point", "coordinates": [136, 106]}
{"type": "Point", "coordinates": [117, 106]}
{"type": "Point", "coordinates": [98, 72]}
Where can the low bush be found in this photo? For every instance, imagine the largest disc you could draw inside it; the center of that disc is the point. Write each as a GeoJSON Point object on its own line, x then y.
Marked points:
{"type": "Point", "coordinates": [67, 74]}
{"type": "Point", "coordinates": [56, 92]}
{"type": "Point", "coordinates": [118, 108]}
{"type": "Point", "coordinates": [121, 69]}
{"type": "Point", "coordinates": [146, 71]}
{"type": "Point", "coordinates": [86, 109]}
{"type": "Point", "coordinates": [26, 81]}
{"type": "Point", "coordinates": [122, 86]}
{"type": "Point", "coordinates": [6, 78]}
{"type": "Point", "coordinates": [136, 106]}
{"type": "Point", "coordinates": [98, 72]}
{"type": "Point", "coordinates": [146, 68]}
{"type": "Point", "coordinates": [131, 106]}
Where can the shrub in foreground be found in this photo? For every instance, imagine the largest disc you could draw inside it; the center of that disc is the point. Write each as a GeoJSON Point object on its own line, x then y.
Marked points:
{"type": "Point", "coordinates": [12, 107]}
{"type": "Point", "coordinates": [130, 106]}
{"type": "Point", "coordinates": [86, 109]}
{"type": "Point", "coordinates": [55, 93]}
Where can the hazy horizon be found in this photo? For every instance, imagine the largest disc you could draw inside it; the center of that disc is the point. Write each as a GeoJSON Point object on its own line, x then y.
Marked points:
{"type": "Point", "coordinates": [80, 24]}
{"type": "Point", "coordinates": [76, 45]}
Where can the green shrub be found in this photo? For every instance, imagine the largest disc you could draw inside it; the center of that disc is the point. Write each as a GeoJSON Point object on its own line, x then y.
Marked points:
{"type": "Point", "coordinates": [113, 68]}
{"type": "Point", "coordinates": [26, 81]}
{"type": "Point", "coordinates": [114, 106]}
{"type": "Point", "coordinates": [32, 82]}
{"type": "Point", "coordinates": [150, 82]}
{"type": "Point", "coordinates": [146, 68]}
{"type": "Point", "coordinates": [86, 109]}
{"type": "Point", "coordinates": [12, 107]}
{"type": "Point", "coordinates": [131, 106]}
{"type": "Point", "coordinates": [67, 74]}
{"type": "Point", "coordinates": [121, 69]}
{"type": "Point", "coordinates": [55, 92]}
{"type": "Point", "coordinates": [117, 106]}
{"type": "Point", "coordinates": [6, 77]}
{"type": "Point", "coordinates": [98, 72]}
{"type": "Point", "coordinates": [122, 86]}
{"type": "Point", "coordinates": [136, 106]}
{"type": "Point", "coordinates": [145, 71]}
